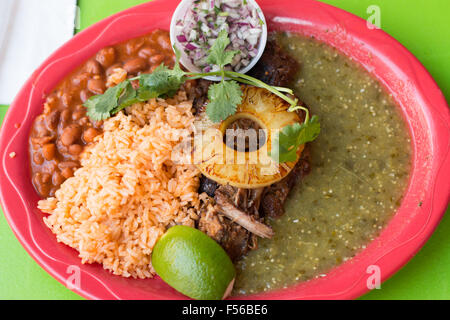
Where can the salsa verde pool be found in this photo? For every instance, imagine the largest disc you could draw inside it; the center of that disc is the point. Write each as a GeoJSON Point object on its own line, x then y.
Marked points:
{"type": "Point", "coordinates": [360, 170]}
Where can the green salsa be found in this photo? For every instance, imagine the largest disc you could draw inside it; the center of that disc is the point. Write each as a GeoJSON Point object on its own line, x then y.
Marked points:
{"type": "Point", "coordinates": [360, 170]}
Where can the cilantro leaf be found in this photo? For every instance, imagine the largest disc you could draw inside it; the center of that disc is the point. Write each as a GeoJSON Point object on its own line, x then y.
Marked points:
{"type": "Point", "coordinates": [163, 82]}
{"type": "Point", "coordinates": [99, 107]}
{"type": "Point", "coordinates": [291, 137]}
{"type": "Point", "coordinates": [224, 98]}
{"type": "Point", "coordinates": [127, 98]}
{"type": "Point", "coordinates": [217, 54]}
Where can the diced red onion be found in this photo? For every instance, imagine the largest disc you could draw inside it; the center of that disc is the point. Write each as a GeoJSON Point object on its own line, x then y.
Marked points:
{"type": "Point", "coordinates": [242, 22]}
{"type": "Point", "coordinates": [191, 46]}
{"type": "Point", "coordinates": [181, 38]}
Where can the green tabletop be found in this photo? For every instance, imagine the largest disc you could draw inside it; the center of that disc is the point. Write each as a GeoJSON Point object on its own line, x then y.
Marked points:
{"type": "Point", "coordinates": [422, 26]}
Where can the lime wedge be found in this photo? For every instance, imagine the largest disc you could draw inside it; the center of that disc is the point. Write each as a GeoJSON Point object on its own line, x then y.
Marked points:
{"type": "Point", "coordinates": [193, 264]}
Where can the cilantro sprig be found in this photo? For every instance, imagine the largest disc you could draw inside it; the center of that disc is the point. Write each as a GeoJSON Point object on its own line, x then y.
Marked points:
{"type": "Point", "coordinates": [224, 96]}
{"type": "Point", "coordinates": [291, 137]}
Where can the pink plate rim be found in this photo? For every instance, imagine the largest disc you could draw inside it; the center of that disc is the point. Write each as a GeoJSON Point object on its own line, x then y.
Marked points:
{"type": "Point", "coordinates": [420, 100]}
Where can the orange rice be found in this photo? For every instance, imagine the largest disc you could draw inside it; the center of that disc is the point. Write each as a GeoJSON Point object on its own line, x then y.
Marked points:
{"type": "Point", "coordinates": [128, 191]}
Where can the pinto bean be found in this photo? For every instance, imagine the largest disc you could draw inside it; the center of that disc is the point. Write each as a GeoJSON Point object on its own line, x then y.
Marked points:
{"type": "Point", "coordinates": [58, 178]}
{"type": "Point", "coordinates": [42, 183]}
{"type": "Point", "coordinates": [67, 172]}
{"type": "Point", "coordinates": [80, 80]}
{"type": "Point", "coordinates": [75, 149]}
{"type": "Point", "coordinates": [80, 107]}
{"type": "Point", "coordinates": [52, 120]}
{"type": "Point", "coordinates": [49, 151]}
{"type": "Point", "coordinates": [52, 101]}
{"type": "Point", "coordinates": [68, 164]}
{"type": "Point", "coordinates": [90, 134]}
{"type": "Point", "coordinates": [70, 134]}
{"type": "Point", "coordinates": [83, 121]}
{"type": "Point", "coordinates": [38, 158]}
{"type": "Point", "coordinates": [96, 86]}
{"type": "Point", "coordinates": [46, 178]}
{"type": "Point", "coordinates": [135, 65]}
{"type": "Point", "coordinates": [134, 45]}
{"type": "Point", "coordinates": [40, 128]}
{"type": "Point", "coordinates": [93, 67]}
{"type": "Point", "coordinates": [37, 178]}
{"type": "Point", "coordinates": [65, 116]}
{"type": "Point", "coordinates": [42, 140]}
{"type": "Point", "coordinates": [164, 41]}
{"type": "Point", "coordinates": [66, 99]}
{"type": "Point", "coordinates": [85, 95]}
{"type": "Point", "coordinates": [78, 114]}
{"type": "Point", "coordinates": [156, 59]}
{"type": "Point", "coordinates": [106, 57]}
{"type": "Point", "coordinates": [146, 52]}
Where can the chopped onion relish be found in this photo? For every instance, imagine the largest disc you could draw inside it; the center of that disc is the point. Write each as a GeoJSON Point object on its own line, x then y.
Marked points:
{"type": "Point", "coordinates": [203, 21]}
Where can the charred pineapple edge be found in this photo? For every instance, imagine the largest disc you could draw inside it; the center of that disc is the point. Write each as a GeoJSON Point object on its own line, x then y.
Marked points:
{"type": "Point", "coordinates": [270, 113]}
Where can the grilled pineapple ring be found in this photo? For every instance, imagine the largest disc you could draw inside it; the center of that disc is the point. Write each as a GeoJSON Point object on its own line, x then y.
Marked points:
{"type": "Point", "coordinates": [251, 169]}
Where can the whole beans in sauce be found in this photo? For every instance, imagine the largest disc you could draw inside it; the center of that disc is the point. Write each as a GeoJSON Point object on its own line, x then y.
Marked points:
{"type": "Point", "coordinates": [60, 134]}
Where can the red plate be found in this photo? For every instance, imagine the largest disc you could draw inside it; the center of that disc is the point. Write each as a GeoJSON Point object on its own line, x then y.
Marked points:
{"type": "Point", "coordinates": [422, 104]}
